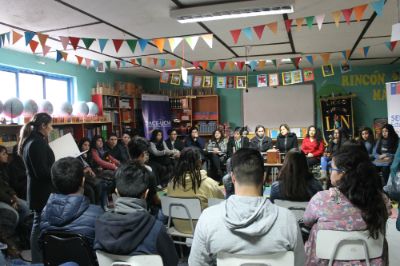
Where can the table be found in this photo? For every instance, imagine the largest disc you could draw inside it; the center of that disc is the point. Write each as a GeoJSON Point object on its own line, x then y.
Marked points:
{"type": "Point", "coordinates": [274, 169]}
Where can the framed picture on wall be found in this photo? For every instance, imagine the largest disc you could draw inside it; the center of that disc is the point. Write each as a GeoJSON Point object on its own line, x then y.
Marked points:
{"type": "Point", "coordinates": [327, 70]}
{"type": "Point", "coordinates": [297, 77]}
{"type": "Point", "coordinates": [164, 78]}
{"type": "Point", "coordinates": [262, 80]}
{"type": "Point", "coordinates": [241, 82]}
{"type": "Point", "coordinates": [197, 81]}
{"type": "Point", "coordinates": [221, 82]}
{"type": "Point", "coordinates": [176, 79]}
{"type": "Point", "coordinates": [308, 74]}
{"type": "Point", "coordinates": [189, 81]}
{"type": "Point", "coordinates": [273, 80]}
{"type": "Point", "coordinates": [230, 82]}
{"type": "Point", "coordinates": [207, 81]}
{"type": "Point", "coordinates": [345, 67]}
{"type": "Point", "coordinates": [287, 78]}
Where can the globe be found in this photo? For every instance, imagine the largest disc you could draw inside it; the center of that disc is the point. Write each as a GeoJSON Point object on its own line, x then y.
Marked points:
{"type": "Point", "coordinates": [93, 108]}
{"type": "Point", "coordinates": [13, 108]}
{"type": "Point", "coordinates": [46, 107]}
{"type": "Point", "coordinates": [66, 108]}
{"type": "Point", "coordinates": [80, 109]}
{"type": "Point", "coordinates": [30, 107]}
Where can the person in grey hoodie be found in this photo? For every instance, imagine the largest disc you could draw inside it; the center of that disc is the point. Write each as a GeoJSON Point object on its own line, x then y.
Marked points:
{"type": "Point", "coordinates": [246, 223]}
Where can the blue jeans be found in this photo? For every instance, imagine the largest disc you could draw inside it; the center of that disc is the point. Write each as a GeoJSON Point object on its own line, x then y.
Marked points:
{"type": "Point", "coordinates": [325, 163]}
{"type": "Point", "coordinates": [35, 248]}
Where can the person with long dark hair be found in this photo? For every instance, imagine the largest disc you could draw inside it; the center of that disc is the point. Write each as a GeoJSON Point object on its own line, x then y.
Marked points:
{"type": "Point", "coordinates": [260, 141]}
{"type": "Point", "coordinates": [38, 158]}
{"type": "Point", "coordinates": [355, 203]}
{"type": "Point", "coordinates": [334, 144]}
{"type": "Point", "coordinates": [286, 140]}
{"type": "Point", "coordinates": [190, 181]}
{"type": "Point", "coordinates": [295, 182]}
{"type": "Point", "coordinates": [313, 146]}
{"type": "Point", "coordinates": [102, 160]}
{"type": "Point", "coordinates": [366, 138]}
{"type": "Point", "coordinates": [216, 148]}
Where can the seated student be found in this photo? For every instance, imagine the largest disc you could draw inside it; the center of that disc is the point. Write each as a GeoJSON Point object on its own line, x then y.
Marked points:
{"type": "Point", "coordinates": [101, 159]}
{"type": "Point", "coordinates": [384, 150]}
{"type": "Point", "coordinates": [113, 148]}
{"type": "Point", "coordinates": [313, 146]}
{"type": "Point", "coordinates": [216, 149]}
{"type": "Point", "coordinates": [246, 223]}
{"type": "Point", "coordinates": [392, 187]}
{"type": "Point", "coordinates": [334, 145]}
{"type": "Point", "coordinates": [189, 181]}
{"type": "Point", "coordinates": [124, 147]}
{"type": "Point", "coordinates": [366, 138]}
{"type": "Point", "coordinates": [295, 182]}
{"type": "Point", "coordinates": [173, 143]}
{"type": "Point", "coordinates": [129, 229]}
{"type": "Point", "coordinates": [69, 210]}
{"type": "Point", "coordinates": [18, 180]}
{"type": "Point", "coordinates": [193, 139]}
{"type": "Point", "coordinates": [236, 142]}
{"type": "Point", "coordinates": [261, 142]}
{"type": "Point", "coordinates": [355, 203]}
{"type": "Point", "coordinates": [84, 146]}
{"type": "Point", "coordinates": [286, 140]}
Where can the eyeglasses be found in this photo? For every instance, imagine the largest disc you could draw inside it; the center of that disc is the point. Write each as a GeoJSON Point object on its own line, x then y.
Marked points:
{"type": "Point", "coordinates": [335, 169]}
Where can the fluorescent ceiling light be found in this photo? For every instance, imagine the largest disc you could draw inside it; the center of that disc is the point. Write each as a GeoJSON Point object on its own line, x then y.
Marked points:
{"type": "Point", "coordinates": [241, 9]}
{"type": "Point", "coordinates": [286, 60]}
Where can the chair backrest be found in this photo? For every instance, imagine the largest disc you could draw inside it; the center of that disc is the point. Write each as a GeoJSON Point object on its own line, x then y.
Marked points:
{"type": "Point", "coordinates": [348, 245]}
{"type": "Point", "coordinates": [297, 207]}
{"type": "Point", "coordinates": [107, 259]}
{"type": "Point", "coordinates": [9, 218]}
{"type": "Point", "coordinates": [214, 201]}
{"type": "Point", "coordinates": [181, 208]}
{"type": "Point", "coordinates": [273, 259]}
{"type": "Point", "coordinates": [60, 247]}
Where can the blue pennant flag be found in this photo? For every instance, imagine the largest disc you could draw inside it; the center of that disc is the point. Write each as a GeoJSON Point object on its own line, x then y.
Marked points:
{"type": "Point", "coordinates": [378, 6]}
{"type": "Point", "coordinates": [8, 36]}
{"type": "Point", "coordinates": [3, 38]}
{"type": "Point", "coordinates": [366, 49]}
{"type": "Point", "coordinates": [29, 36]}
{"type": "Point", "coordinates": [1, 44]}
{"type": "Point", "coordinates": [102, 44]}
{"type": "Point", "coordinates": [95, 63]}
{"type": "Point", "coordinates": [248, 33]}
{"type": "Point", "coordinates": [59, 56]}
{"type": "Point", "coordinates": [143, 44]}
{"type": "Point", "coordinates": [253, 64]}
{"type": "Point", "coordinates": [310, 59]}
{"type": "Point", "coordinates": [162, 62]}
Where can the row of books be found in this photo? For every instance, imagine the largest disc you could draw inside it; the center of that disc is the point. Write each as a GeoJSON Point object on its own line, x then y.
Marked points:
{"type": "Point", "coordinates": [58, 132]}
{"type": "Point", "coordinates": [207, 127]}
{"type": "Point", "coordinates": [110, 101]}
{"type": "Point", "coordinates": [97, 130]}
{"type": "Point", "coordinates": [112, 116]}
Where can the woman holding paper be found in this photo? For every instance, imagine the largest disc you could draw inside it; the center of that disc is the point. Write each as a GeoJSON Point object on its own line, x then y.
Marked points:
{"type": "Point", "coordinates": [38, 158]}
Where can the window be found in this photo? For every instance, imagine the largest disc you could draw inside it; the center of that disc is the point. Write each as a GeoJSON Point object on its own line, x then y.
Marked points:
{"type": "Point", "coordinates": [33, 85]}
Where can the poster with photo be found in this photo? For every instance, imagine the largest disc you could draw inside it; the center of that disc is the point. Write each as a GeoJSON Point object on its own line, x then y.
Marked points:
{"type": "Point", "coordinates": [189, 81]}
{"type": "Point", "coordinates": [176, 79]}
{"type": "Point", "coordinates": [262, 80]}
{"type": "Point", "coordinates": [230, 82]}
{"type": "Point", "coordinates": [297, 77]}
{"type": "Point", "coordinates": [308, 74]}
{"type": "Point", "coordinates": [241, 82]}
{"type": "Point", "coordinates": [221, 82]}
{"type": "Point", "coordinates": [287, 78]}
{"type": "Point", "coordinates": [164, 78]}
{"type": "Point", "coordinates": [197, 81]}
{"type": "Point", "coordinates": [273, 80]}
{"type": "Point", "coordinates": [327, 70]}
{"type": "Point", "coordinates": [207, 81]}
{"type": "Point", "coordinates": [345, 67]}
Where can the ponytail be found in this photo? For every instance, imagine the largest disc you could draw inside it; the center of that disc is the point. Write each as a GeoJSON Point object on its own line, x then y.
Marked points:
{"type": "Point", "coordinates": [25, 132]}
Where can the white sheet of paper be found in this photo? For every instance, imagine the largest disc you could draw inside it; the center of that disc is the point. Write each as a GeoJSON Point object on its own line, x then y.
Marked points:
{"type": "Point", "coordinates": [395, 32]}
{"type": "Point", "coordinates": [65, 146]}
{"type": "Point", "coordinates": [184, 74]}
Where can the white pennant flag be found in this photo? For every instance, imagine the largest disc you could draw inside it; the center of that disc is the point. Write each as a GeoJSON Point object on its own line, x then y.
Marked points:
{"type": "Point", "coordinates": [208, 38]}
{"type": "Point", "coordinates": [320, 20]}
{"type": "Point", "coordinates": [192, 41]}
{"type": "Point", "coordinates": [184, 74]}
{"type": "Point", "coordinates": [174, 42]}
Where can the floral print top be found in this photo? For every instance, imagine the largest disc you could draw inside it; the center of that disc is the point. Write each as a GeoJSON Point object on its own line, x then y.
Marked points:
{"type": "Point", "coordinates": [331, 210]}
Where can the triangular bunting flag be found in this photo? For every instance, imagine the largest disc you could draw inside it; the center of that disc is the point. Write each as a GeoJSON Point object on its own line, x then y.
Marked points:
{"type": "Point", "coordinates": [117, 44]}
{"type": "Point", "coordinates": [365, 50]}
{"type": "Point", "coordinates": [132, 45]}
{"type": "Point", "coordinates": [143, 43]}
{"type": "Point", "coordinates": [87, 62]}
{"type": "Point", "coordinates": [102, 44]}
{"type": "Point", "coordinates": [16, 37]}
{"type": "Point", "coordinates": [325, 58]}
{"type": "Point", "coordinates": [310, 21]}
{"type": "Point", "coordinates": [74, 42]}
{"type": "Point", "coordinates": [378, 6]}
{"type": "Point", "coordinates": [28, 37]}
{"type": "Point", "coordinates": [108, 64]}
{"type": "Point", "coordinates": [184, 73]}
{"type": "Point", "coordinates": [192, 41]}
{"type": "Point", "coordinates": [248, 33]}
{"type": "Point", "coordinates": [208, 38]}
{"type": "Point", "coordinates": [8, 36]}
{"type": "Point", "coordinates": [346, 54]}
{"type": "Point", "coordinates": [58, 56]}
{"type": "Point", "coordinates": [148, 60]}
{"type": "Point", "coordinates": [359, 11]}
{"type": "Point", "coordinates": [33, 44]}
{"type": "Point", "coordinates": [123, 63]}
{"type": "Point", "coordinates": [261, 64]}
{"type": "Point", "coordinates": [320, 20]}
{"type": "Point", "coordinates": [336, 17]}
{"type": "Point", "coordinates": [235, 35]}
{"type": "Point", "coordinates": [160, 44]}
{"type": "Point", "coordinates": [299, 23]}
{"type": "Point", "coordinates": [174, 42]}
{"type": "Point", "coordinates": [196, 64]}
{"type": "Point", "coordinates": [288, 24]}
{"type": "Point", "coordinates": [80, 58]}
{"type": "Point", "coordinates": [96, 63]}
{"type": "Point", "coordinates": [3, 39]}
{"type": "Point", "coordinates": [274, 62]}
{"type": "Point", "coordinates": [118, 63]}
{"type": "Point", "coordinates": [310, 59]}
{"type": "Point", "coordinates": [240, 65]}
{"type": "Point", "coordinates": [133, 61]}
{"type": "Point", "coordinates": [296, 61]}
{"type": "Point", "coordinates": [253, 65]}
{"type": "Point", "coordinates": [347, 14]}
{"type": "Point", "coordinates": [231, 65]}
{"type": "Point", "coordinates": [222, 65]}
{"type": "Point", "coordinates": [204, 64]}
{"type": "Point", "coordinates": [211, 64]}
{"type": "Point", "coordinates": [273, 26]}
{"type": "Point", "coordinates": [172, 63]}
{"type": "Point", "coordinates": [155, 61]}
{"type": "Point", "coordinates": [393, 45]}
{"type": "Point", "coordinates": [88, 42]}
{"type": "Point", "coordinates": [42, 39]}
{"type": "Point", "coordinates": [64, 42]}
{"type": "Point", "coordinates": [46, 49]}
{"type": "Point", "coordinates": [64, 55]}
{"type": "Point", "coordinates": [139, 60]}
{"type": "Point", "coordinates": [162, 62]}
{"type": "Point", "coordinates": [259, 30]}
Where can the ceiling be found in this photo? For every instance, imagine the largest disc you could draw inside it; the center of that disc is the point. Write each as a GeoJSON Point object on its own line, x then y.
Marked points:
{"type": "Point", "coordinates": [149, 19]}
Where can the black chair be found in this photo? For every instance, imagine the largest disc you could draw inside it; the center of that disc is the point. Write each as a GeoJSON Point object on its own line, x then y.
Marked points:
{"type": "Point", "coordinates": [61, 247]}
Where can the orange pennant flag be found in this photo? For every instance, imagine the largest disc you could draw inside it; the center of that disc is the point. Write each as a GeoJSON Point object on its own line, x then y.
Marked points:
{"type": "Point", "coordinates": [148, 60]}
{"type": "Point", "coordinates": [133, 61]}
{"type": "Point", "coordinates": [42, 39]}
{"type": "Point", "coordinates": [79, 59]}
{"type": "Point", "coordinates": [348, 54]}
{"type": "Point", "coordinates": [325, 58]}
{"type": "Point", "coordinates": [336, 17]}
{"type": "Point", "coordinates": [33, 44]}
{"type": "Point", "coordinates": [231, 65]}
{"type": "Point", "coordinates": [361, 51]}
{"type": "Point", "coordinates": [299, 23]}
{"type": "Point", "coordinates": [273, 26]}
{"type": "Point", "coordinates": [64, 55]}
{"type": "Point", "coordinates": [204, 64]}
{"type": "Point", "coordinates": [261, 64]}
{"type": "Point", "coordinates": [359, 11]}
{"type": "Point", "coordinates": [172, 63]}
{"type": "Point", "coordinates": [314, 57]}
{"type": "Point", "coordinates": [159, 43]}
{"type": "Point", "coordinates": [16, 36]}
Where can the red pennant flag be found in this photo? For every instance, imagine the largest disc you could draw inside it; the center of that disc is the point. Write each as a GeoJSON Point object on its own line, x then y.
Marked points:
{"type": "Point", "coordinates": [33, 44]}
{"type": "Point", "coordinates": [259, 30]}
{"type": "Point", "coordinates": [117, 44]}
{"type": "Point", "coordinates": [196, 64]}
{"type": "Point", "coordinates": [204, 64]}
{"type": "Point", "coordinates": [392, 45]}
{"type": "Point", "coordinates": [46, 49]}
{"type": "Point", "coordinates": [235, 35]}
{"type": "Point", "coordinates": [222, 65]}
{"type": "Point", "coordinates": [79, 59]}
{"type": "Point", "coordinates": [16, 37]}
{"type": "Point", "coordinates": [288, 24]}
{"type": "Point", "coordinates": [42, 39]}
{"type": "Point", "coordinates": [347, 14]}
{"type": "Point", "coordinates": [155, 60]}
{"type": "Point", "coordinates": [296, 61]}
{"type": "Point", "coordinates": [118, 63]}
{"type": "Point", "coordinates": [240, 65]}
{"type": "Point", "coordinates": [172, 63]}
{"type": "Point", "coordinates": [74, 42]}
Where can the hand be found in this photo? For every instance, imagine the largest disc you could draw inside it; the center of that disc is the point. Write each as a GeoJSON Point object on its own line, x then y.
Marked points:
{"type": "Point", "coordinates": [215, 150]}
{"type": "Point", "coordinates": [14, 202]}
{"type": "Point", "coordinates": [89, 171]}
{"type": "Point", "coordinates": [310, 155]}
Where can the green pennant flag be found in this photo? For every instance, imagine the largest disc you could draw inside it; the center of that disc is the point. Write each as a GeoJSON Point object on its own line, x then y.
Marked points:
{"type": "Point", "coordinates": [310, 21]}
{"type": "Point", "coordinates": [274, 62]}
{"type": "Point", "coordinates": [211, 64]}
{"type": "Point", "coordinates": [139, 60]}
{"type": "Point", "coordinates": [132, 45]}
{"type": "Point", "coordinates": [88, 42]}
{"type": "Point", "coordinates": [108, 63]}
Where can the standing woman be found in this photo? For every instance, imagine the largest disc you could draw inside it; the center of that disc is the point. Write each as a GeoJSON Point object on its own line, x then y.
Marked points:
{"type": "Point", "coordinates": [38, 158]}
{"type": "Point", "coordinates": [313, 146]}
{"type": "Point", "coordinates": [286, 140]}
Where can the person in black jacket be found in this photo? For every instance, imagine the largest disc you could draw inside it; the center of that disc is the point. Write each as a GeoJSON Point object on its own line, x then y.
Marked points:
{"type": "Point", "coordinates": [236, 142]}
{"type": "Point", "coordinates": [130, 229]}
{"type": "Point", "coordinates": [173, 143]}
{"type": "Point", "coordinates": [38, 159]}
{"type": "Point", "coordinates": [261, 142]}
{"type": "Point", "coordinates": [286, 140]}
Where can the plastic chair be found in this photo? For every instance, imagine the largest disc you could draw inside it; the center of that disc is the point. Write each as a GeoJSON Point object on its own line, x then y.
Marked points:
{"type": "Point", "coordinates": [107, 259]}
{"type": "Point", "coordinates": [348, 245]}
{"type": "Point", "coordinates": [297, 207]}
{"type": "Point", "coordinates": [214, 201]}
{"type": "Point", "coordinates": [273, 259]}
{"type": "Point", "coordinates": [61, 247]}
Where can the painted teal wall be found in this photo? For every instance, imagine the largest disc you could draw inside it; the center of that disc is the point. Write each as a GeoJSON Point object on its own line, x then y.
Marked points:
{"type": "Point", "coordinates": [367, 83]}
{"type": "Point", "coordinates": [85, 79]}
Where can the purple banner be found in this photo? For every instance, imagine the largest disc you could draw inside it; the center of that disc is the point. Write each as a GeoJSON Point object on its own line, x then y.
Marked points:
{"type": "Point", "coordinates": [156, 114]}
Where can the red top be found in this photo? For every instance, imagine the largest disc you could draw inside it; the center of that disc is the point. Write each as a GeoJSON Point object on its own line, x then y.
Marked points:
{"type": "Point", "coordinates": [312, 147]}
{"type": "Point", "coordinates": [104, 164]}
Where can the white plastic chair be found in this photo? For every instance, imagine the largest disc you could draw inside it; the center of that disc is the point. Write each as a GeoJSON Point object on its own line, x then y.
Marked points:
{"type": "Point", "coordinates": [273, 259]}
{"type": "Point", "coordinates": [214, 201]}
{"type": "Point", "coordinates": [107, 259]}
{"type": "Point", "coordinates": [348, 245]}
{"type": "Point", "coordinates": [297, 207]}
